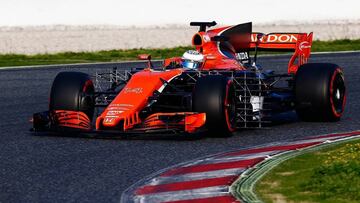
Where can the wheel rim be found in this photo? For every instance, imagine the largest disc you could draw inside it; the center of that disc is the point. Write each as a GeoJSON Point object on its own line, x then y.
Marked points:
{"type": "Point", "coordinates": [230, 108]}
{"type": "Point", "coordinates": [337, 93]}
{"type": "Point", "coordinates": [86, 99]}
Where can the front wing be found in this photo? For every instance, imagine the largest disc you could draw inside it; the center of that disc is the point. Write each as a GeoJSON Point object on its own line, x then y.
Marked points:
{"type": "Point", "coordinates": [157, 123]}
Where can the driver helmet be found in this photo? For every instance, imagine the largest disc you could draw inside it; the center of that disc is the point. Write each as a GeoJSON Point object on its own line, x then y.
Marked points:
{"type": "Point", "coordinates": [192, 59]}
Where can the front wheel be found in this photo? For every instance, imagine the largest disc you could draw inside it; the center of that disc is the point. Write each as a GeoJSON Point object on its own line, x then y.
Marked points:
{"type": "Point", "coordinates": [73, 91]}
{"type": "Point", "coordinates": [215, 96]}
{"type": "Point", "coordinates": [320, 92]}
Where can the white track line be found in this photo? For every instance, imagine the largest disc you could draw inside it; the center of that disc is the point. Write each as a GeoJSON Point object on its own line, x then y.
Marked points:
{"type": "Point", "coordinates": [225, 159]}
{"type": "Point", "coordinates": [314, 140]}
{"type": "Point", "coordinates": [195, 176]}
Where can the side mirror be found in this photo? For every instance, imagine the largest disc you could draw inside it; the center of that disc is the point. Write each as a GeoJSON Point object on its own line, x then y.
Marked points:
{"type": "Point", "coordinates": [144, 57]}
{"type": "Point", "coordinates": [148, 58]}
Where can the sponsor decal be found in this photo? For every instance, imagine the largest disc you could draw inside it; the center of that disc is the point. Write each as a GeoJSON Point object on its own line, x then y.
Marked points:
{"type": "Point", "coordinates": [113, 113]}
{"type": "Point", "coordinates": [117, 108]}
{"type": "Point", "coordinates": [135, 90]}
{"type": "Point", "coordinates": [254, 38]}
{"type": "Point", "coordinates": [109, 119]}
{"type": "Point", "coordinates": [242, 56]}
{"type": "Point", "coordinates": [304, 45]}
{"type": "Point", "coordinates": [121, 105]}
{"type": "Point", "coordinates": [275, 38]}
{"type": "Point", "coordinates": [193, 52]}
{"type": "Point", "coordinates": [206, 38]}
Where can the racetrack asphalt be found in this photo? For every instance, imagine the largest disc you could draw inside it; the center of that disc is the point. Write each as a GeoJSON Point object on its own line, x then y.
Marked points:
{"type": "Point", "coordinates": [65, 169]}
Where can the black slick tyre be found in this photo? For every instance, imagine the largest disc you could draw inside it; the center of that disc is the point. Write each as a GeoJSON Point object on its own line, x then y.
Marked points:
{"type": "Point", "coordinates": [72, 91]}
{"type": "Point", "coordinates": [215, 96]}
{"type": "Point", "coordinates": [320, 92]}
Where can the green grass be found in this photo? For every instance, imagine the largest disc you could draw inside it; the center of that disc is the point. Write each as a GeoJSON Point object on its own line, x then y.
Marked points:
{"type": "Point", "coordinates": [336, 45]}
{"type": "Point", "coordinates": [121, 55]}
{"type": "Point", "coordinates": [87, 57]}
{"type": "Point", "coordinates": [326, 176]}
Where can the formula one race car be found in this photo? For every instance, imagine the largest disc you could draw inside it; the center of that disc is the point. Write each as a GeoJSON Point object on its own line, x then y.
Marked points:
{"type": "Point", "coordinates": [217, 88]}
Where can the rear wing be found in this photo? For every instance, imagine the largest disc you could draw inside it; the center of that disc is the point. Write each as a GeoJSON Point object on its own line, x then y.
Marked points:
{"type": "Point", "coordinates": [244, 40]}
{"type": "Point", "coordinates": [300, 43]}
{"type": "Point", "coordinates": [280, 41]}
{"type": "Point", "coordinates": [239, 40]}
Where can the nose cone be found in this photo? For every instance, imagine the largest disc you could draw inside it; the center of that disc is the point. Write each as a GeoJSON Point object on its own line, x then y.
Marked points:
{"type": "Point", "coordinates": [124, 109]}
{"type": "Point", "coordinates": [110, 122]}
{"type": "Point", "coordinates": [112, 118]}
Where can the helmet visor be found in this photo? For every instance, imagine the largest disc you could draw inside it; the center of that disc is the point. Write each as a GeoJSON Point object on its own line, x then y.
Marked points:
{"type": "Point", "coordinates": [190, 64]}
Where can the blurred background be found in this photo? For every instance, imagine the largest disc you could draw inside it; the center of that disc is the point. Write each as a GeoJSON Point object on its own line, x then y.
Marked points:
{"type": "Point", "coordinates": [52, 26]}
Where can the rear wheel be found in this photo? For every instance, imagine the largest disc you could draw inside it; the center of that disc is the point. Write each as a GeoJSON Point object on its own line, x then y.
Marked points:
{"type": "Point", "coordinates": [215, 96]}
{"type": "Point", "coordinates": [72, 91]}
{"type": "Point", "coordinates": [320, 92]}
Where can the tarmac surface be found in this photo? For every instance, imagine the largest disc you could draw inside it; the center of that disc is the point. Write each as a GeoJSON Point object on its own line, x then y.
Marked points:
{"type": "Point", "coordinates": [67, 169]}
